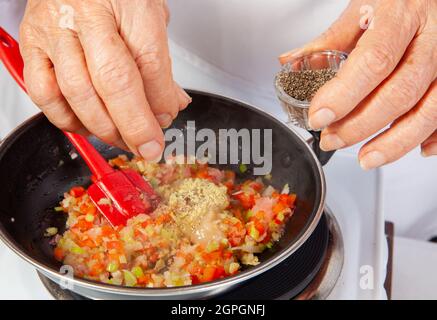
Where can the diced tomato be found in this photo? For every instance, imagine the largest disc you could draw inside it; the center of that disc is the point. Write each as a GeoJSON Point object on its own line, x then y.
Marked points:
{"type": "Point", "coordinates": [163, 219]}
{"type": "Point", "coordinates": [194, 279]}
{"type": "Point", "coordinates": [59, 254]}
{"type": "Point", "coordinates": [154, 257]}
{"type": "Point", "coordinates": [96, 269]}
{"type": "Point", "coordinates": [229, 185]}
{"type": "Point", "coordinates": [227, 254]}
{"type": "Point", "coordinates": [107, 231]}
{"type": "Point", "coordinates": [83, 225]}
{"type": "Point", "coordinates": [246, 200]}
{"type": "Point", "coordinates": [257, 186]}
{"type": "Point", "coordinates": [236, 234]}
{"type": "Point", "coordinates": [86, 243]}
{"type": "Point", "coordinates": [88, 209]}
{"type": "Point", "coordinates": [219, 272]}
{"type": "Point", "coordinates": [203, 174]}
{"type": "Point", "coordinates": [144, 279]}
{"type": "Point", "coordinates": [77, 191]}
{"type": "Point", "coordinates": [212, 256]}
{"type": "Point", "coordinates": [280, 206]}
{"type": "Point", "coordinates": [259, 226]}
{"type": "Point", "coordinates": [208, 274]}
{"type": "Point", "coordinates": [114, 245]}
{"type": "Point", "coordinates": [267, 238]}
{"type": "Point", "coordinates": [287, 199]}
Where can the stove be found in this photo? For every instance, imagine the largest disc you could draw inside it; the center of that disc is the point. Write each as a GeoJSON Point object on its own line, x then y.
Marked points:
{"type": "Point", "coordinates": [345, 258]}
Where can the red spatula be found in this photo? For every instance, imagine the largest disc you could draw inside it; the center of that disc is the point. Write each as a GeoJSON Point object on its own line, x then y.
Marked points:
{"type": "Point", "coordinates": [118, 194]}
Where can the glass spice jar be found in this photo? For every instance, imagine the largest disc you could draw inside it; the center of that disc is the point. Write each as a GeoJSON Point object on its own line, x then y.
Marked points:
{"type": "Point", "coordinates": [297, 110]}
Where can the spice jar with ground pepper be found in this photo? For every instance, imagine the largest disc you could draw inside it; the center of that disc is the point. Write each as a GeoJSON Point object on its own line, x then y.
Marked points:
{"type": "Point", "coordinates": [298, 81]}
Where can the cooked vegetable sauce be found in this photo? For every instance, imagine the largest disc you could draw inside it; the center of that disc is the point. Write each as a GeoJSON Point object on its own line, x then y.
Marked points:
{"type": "Point", "coordinates": [205, 228]}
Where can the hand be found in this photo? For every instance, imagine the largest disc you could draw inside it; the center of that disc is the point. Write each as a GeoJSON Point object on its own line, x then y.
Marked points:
{"type": "Point", "coordinates": [389, 78]}
{"type": "Point", "coordinates": [103, 67]}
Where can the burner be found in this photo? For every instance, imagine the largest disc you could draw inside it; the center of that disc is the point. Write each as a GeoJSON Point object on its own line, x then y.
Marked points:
{"type": "Point", "coordinates": [310, 273]}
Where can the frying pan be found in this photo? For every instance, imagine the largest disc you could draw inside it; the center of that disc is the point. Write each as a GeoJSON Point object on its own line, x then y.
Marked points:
{"type": "Point", "coordinates": [36, 169]}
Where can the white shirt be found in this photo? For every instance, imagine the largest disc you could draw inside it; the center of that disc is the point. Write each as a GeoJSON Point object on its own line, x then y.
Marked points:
{"type": "Point", "coordinates": [231, 47]}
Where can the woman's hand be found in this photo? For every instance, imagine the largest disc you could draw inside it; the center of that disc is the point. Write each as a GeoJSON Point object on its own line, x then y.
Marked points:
{"type": "Point", "coordinates": [103, 67]}
{"type": "Point", "coordinates": [388, 79]}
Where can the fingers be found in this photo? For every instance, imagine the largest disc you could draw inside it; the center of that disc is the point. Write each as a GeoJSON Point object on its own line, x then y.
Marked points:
{"type": "Point", "coordinates": [376, 55]}
{"type": "Point", "coordinates": [43, 89]}
{"type": "Point", "coordinates": [342, 35]}
{"type": "Point", "coordinates": [396, 96]}
{"type": "Point", "coordinates": [118, 82]}
{"type": "Point", "coordinates": [151, 53]}
{"type": "Point", "coordinates": [406, 133]}
{"type": "Point", "coordinates": [429, 146]}
{"type": "Point", "coordinates": [76, 86]}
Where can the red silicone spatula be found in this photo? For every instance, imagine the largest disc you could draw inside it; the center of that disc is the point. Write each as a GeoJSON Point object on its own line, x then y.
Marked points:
{"type": "Point", "coordinates": [118, 194]}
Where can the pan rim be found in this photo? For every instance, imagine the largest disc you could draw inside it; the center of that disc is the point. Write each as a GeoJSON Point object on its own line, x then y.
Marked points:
{"type": "Point", "coordinates": [190, 289]}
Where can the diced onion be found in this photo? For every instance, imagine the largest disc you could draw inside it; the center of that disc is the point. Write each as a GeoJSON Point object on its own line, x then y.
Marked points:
{"type": "Point", "coordinates": [286, 189]}
{"type": "Point", "coordinates": [50, 232]}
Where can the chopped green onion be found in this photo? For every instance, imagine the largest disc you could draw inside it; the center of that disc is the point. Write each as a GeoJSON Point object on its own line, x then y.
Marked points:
{"type": "Point", "coordinates": [89, 217]}
{"type": "Point", "coordinates": [280, 216]}
{"type": "Point", "coordinates": [243, 168]}
{"type": "Point", "coordinates": [77, 250]}
{"type": "Point", "coordinates": [269, 245]}
{"type": "Point", "coordinates": [59, 209]}
{"type": "Point", "coordinates": [137, 271]}
{"type": "Point", "coordinates": [249, 214]}
{"type": "Point", "coordinates": [254, 233]}
{"type": "Point", "coordinates": [212, 246]}
{"type": "Point", "coordinates": [112, 267]}
{"type": "Point", "coordinates": [129, 278]}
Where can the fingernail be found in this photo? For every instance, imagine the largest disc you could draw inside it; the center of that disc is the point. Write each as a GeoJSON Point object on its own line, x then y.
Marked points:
{"type": "Point", "coordinates": [331, 142]}
{"type": "Point", "coordinates": [164, 120]}
{"type": "Point", "coordinates": [184, 98]}
{"type": "Point", "coordinates": [372, 160]}
{"type": "Point", "coordinates": [290, 53]}
{"type": "Point", "coordinates": [150, 151]}
{"type": "Point", "coordinates": [183, 95]}
{"type": "Point", "coordinates": [186, 95]}
{"type": "Point", "coordinates": [429, 149]}
{"type": "Point", "coordinates": [321, 118]}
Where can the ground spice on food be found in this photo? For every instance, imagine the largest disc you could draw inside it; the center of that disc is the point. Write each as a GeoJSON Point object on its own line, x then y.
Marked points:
{"type": "Point", "coordinates": [303, 85]}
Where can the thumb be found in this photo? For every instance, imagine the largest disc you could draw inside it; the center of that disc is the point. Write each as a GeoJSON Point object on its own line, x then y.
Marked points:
{"type": "Point", "coordinates": [342, 35]}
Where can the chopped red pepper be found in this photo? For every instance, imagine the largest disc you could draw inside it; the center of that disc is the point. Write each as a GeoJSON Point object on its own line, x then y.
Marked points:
{"type": "Point", "coordinates": [77, 192]}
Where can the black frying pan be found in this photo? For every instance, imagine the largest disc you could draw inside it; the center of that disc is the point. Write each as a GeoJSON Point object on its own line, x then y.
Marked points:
{"type": "Point", "coordinates": [36, 169]}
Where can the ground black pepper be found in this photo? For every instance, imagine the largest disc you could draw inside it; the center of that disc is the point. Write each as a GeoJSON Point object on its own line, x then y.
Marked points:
{"type": "Point", "coordinates": [303, 85]}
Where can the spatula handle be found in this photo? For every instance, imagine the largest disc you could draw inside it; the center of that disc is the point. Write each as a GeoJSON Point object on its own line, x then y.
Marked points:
{"type": "Point", "coordinates": [11, 57]}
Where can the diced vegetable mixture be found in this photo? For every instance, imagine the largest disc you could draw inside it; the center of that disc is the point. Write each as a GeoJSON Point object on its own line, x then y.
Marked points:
{"type": "Point", "coordinates": [206, 227]}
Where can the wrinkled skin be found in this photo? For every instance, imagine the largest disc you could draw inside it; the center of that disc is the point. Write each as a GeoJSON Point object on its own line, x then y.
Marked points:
{"type": "Point", "coordinates": [388, 79]}
{"type": "Point", "coordinates": [104, 70]}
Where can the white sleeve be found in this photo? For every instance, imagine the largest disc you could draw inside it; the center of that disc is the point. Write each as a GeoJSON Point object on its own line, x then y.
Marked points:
{"type": "Point", "coordinates": [11, 13]}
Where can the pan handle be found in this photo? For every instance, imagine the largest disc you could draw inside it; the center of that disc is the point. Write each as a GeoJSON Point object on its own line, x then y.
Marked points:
{"type": "Point", "coordinates": [323, 156]}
